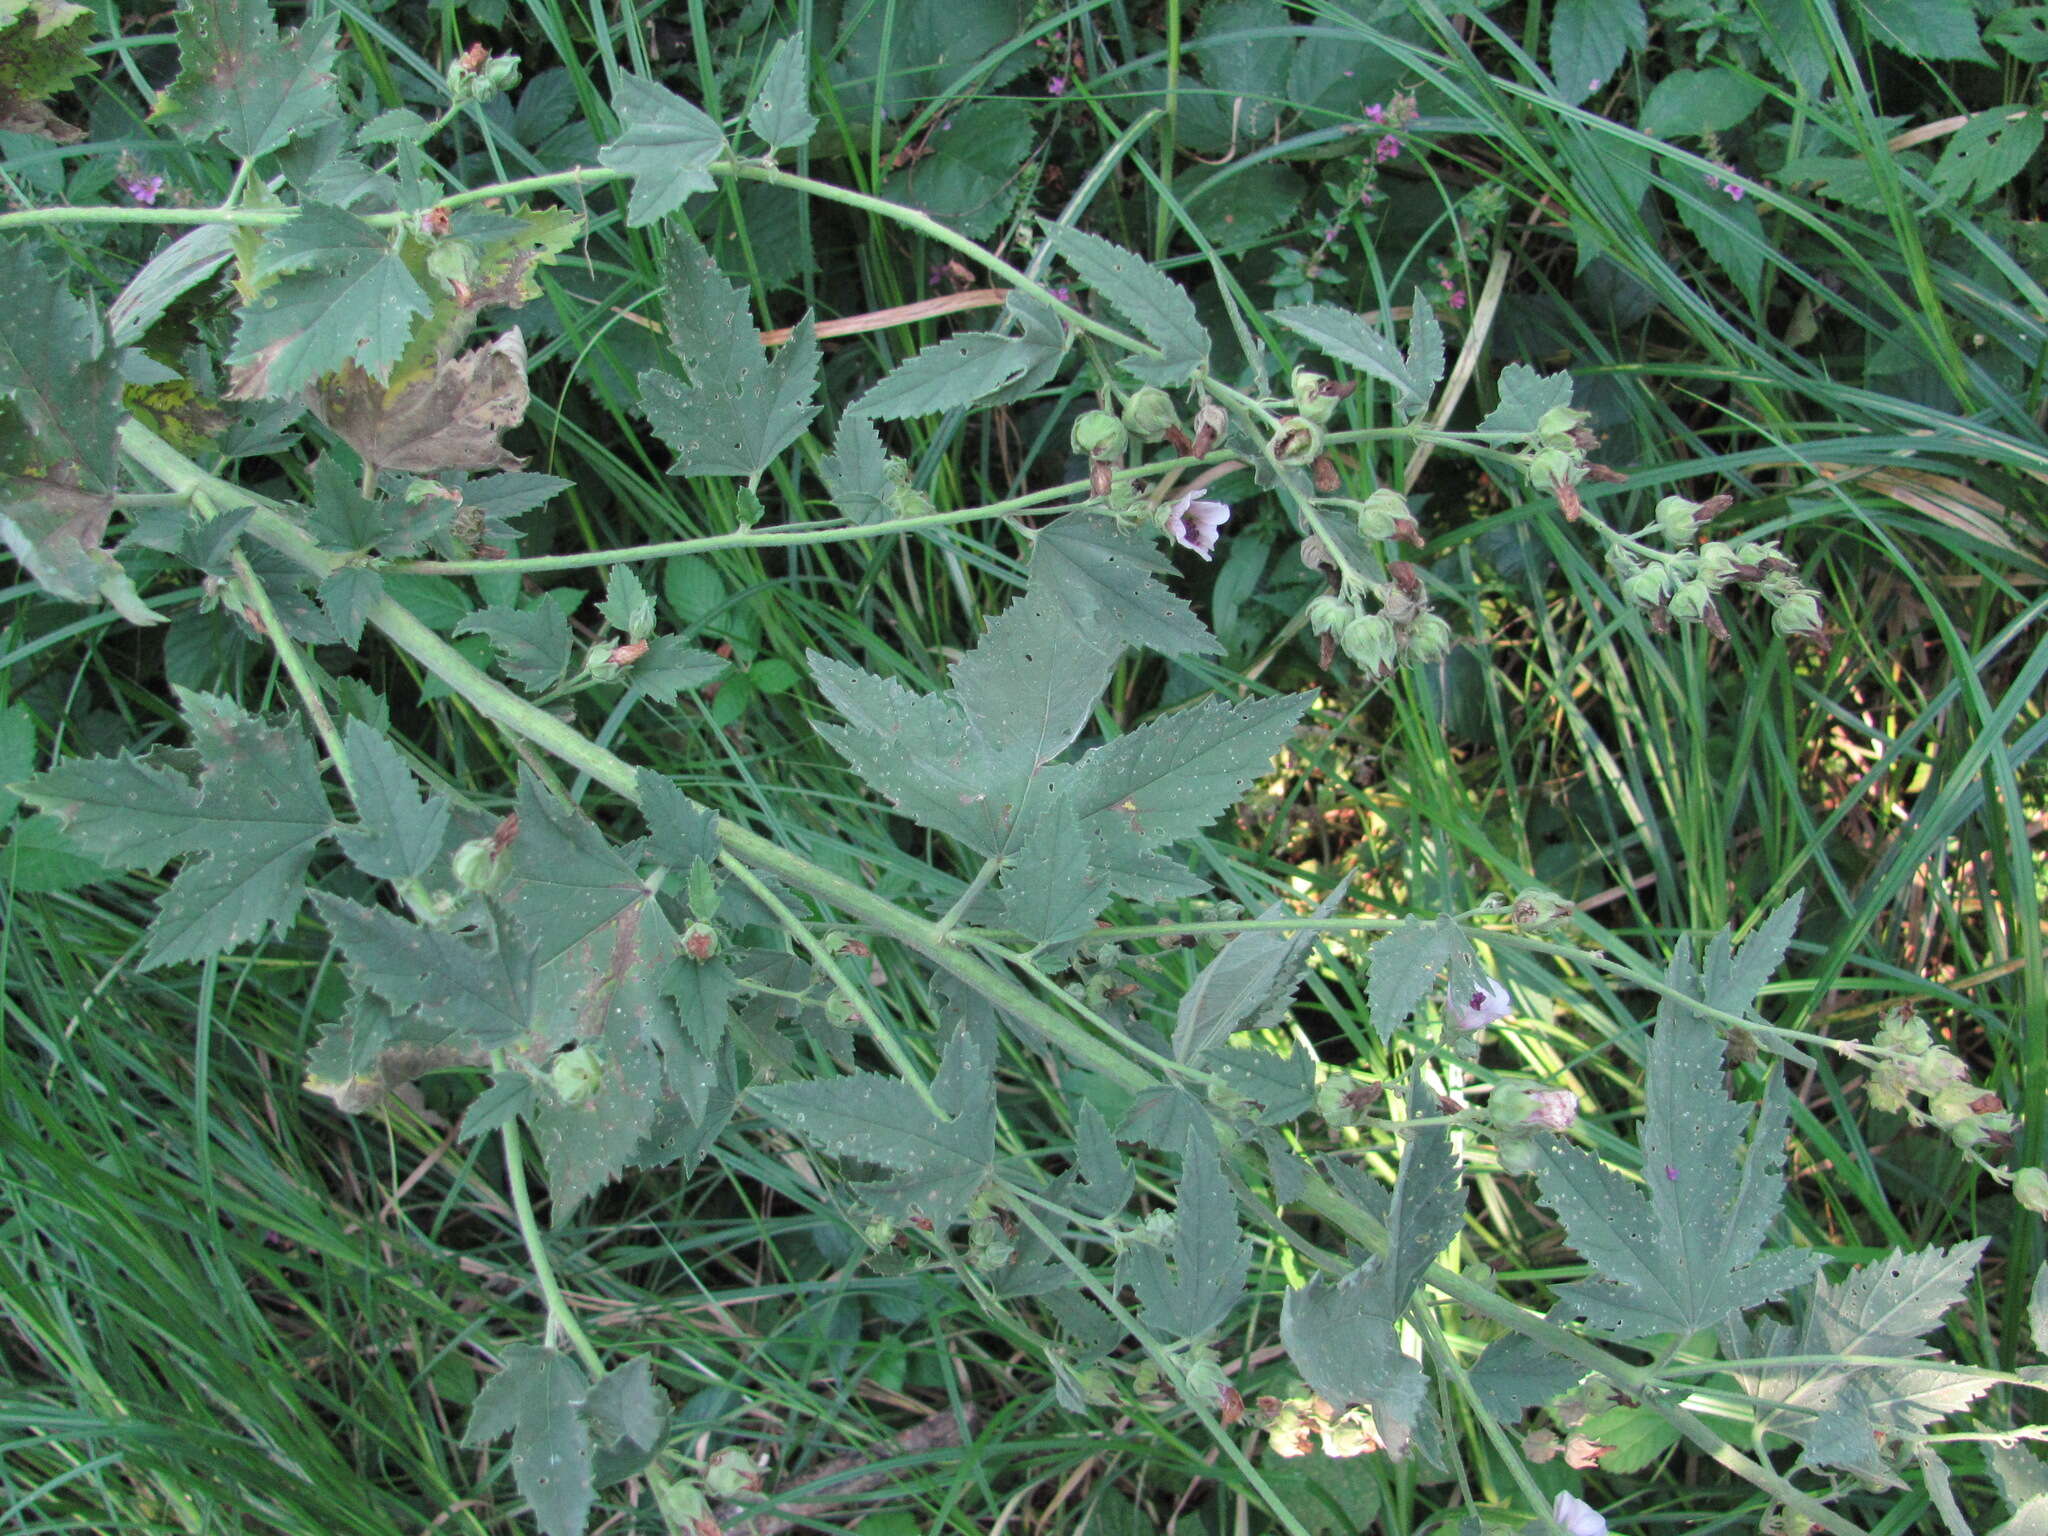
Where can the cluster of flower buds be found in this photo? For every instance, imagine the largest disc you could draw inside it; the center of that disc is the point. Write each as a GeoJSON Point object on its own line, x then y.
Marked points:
{"type": "Point", "coordinates": [1149, 417]}
{"type": "Point", "coordinates": [1555, 458]}
{"type": "Point", "coordinates": [1294, 1425]}
{"type": "Point", "coordinates": [1403, 628]}
{"type": "Point", "coordinates": [1913, 1066]}
{"type": "Point", "coordinates": [478, 74]}
{"type": "Point", "coordinates": [1520, 1115]}
{"type": "Point", "coordinates": [1383, 515]}
{"type": "Point", "coordinates": [1684, 585]}
{"type": "Point", "coordinates": [1344, 1100]}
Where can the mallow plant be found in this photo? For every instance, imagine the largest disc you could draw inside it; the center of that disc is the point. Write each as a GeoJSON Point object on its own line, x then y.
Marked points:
{"type": "Point", "coordinates": [626, 977]}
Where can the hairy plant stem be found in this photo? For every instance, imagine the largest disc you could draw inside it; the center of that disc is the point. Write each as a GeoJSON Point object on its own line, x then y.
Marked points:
{"type": "Point", "coordinates": [1005, 990]}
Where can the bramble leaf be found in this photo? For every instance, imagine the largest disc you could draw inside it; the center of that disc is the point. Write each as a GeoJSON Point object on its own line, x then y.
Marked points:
{"type": "Point", "coordinates": [1101, 576]}
{"type": "Point", "coordinates": [665, 144]}
{"type": "Point", "coordinates": [1251, 982]}
{"type": "Point", "coordinates": [540, 1398]}
{"type": "Point", "coordinates": [255, 814]}
{"type": "Point", "coordinates": [1841, 1412]}
{"type": "Point", "coordinates": [781, 113]}
{"type": "Point", "coordinates": [1684, 1252]}
{"type": "Point", "coordinates": [1210, 1258]}
{"type": "Point", "coordinates": [401, 833]}
{"type": "Point", "coordinates": [239, 78]}
{"type": "Point", "coordinates": [1153, 302]}
{"type": "Point", "coordinates": [942, 1161]}
{"type": "Point", "coordinates": [739, 410]}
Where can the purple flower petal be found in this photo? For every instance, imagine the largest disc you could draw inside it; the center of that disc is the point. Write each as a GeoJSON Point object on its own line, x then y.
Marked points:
{"type": "Point", "coordinates": [1195, 524]}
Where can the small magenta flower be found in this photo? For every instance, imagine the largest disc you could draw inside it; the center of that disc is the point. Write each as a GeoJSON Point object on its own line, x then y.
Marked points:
{"type": "Point", "coordinates": [1195, 524]}
{"type": "Point", "coordinates": [1734, 191]}
{"type": "Point", "coordinates": [1376, 113]}
{"type": "Point", "coordinates": [1482, 1003]}
{"type": "Point", "coordinates": [1389, 148]}
{"type": "Point", "coordinates": [1578, 1517]}
{"type": "Point", "coordinates": [143, 189]}
{"type": "Point", "coordinates": [1055, 85]}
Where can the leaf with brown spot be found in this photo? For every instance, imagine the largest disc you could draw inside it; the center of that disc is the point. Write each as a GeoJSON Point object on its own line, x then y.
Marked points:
{"type": "Point", "coordinates": [452, 416]}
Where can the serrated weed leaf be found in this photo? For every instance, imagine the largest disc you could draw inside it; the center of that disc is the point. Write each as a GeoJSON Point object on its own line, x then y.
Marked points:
{"type": "Point", "coordinates": [252, 819]}
{"type": "Point", "coordinates": [1525, 395]}
{"type": "Point", "coordinates": [532, 643]}
{"type": "Point", "coordinates": [1107, 1182]}
{"type": "Point", "coordinates": [239, 78]}
{"type": "Point", "coordinates": [1250, 983]}
{"type": "Point", "coordinates": [1425, 357]}
{"type": "Point", "coordinates": [1403, 967]}
{"type": "Point", "coordinates": [1349, 339]}
{"type": "Point", "coordinates": [539, 1398]}
{"type": "Point", "coordinates": [1153, 302]}
{"type": "Point", "coordinates": [401, 832]}
{"type": "Point", "coordinates": [680, 831]}
{"type": "Point", "coordinates": [1193, 1295]}
{"type": "Point", "coordinates": [1103, 578]}
{"type": "Point", "coordinates": [781, 113]}
{"type": "Point", "coordinates": [1684, 1254]}
{"type": "Point", "coordinates": [857, 472]}
{"type": "Point", "coordinates": [740, 409]}
{"type": "Point", "coordinates": [945, 376]}
{"type": "Point", "coordinates": [664, 144]}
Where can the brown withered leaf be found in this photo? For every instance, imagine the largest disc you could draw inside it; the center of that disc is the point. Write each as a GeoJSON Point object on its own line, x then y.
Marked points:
{"type": "Point", "coordinates": [54, 526]}
{"type": "Point", "coordinates": [451, 416]}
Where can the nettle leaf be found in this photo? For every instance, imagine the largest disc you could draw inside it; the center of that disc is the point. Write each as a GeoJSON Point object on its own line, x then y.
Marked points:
{"type": "Point", "coordinates": [1050, 892]}
{"type": "Point", "coordinates": [1153, 302]}
{"type": "Point", "coordinates": [533, 643]}
{"type": "Point", "coordinates": [540, 1399]}
{"type": "Point", "coordinates": [346, 596]}
{"type": "Point", "coordinates": [943, 1162]}
{"type": "Point", "coordinates": [1251, 982]}
{"type": "Point", "coordinates": [1210, 1257]}
{"type": "Point", "coordinates": [673, 667]}
{"type": "Point", "coordinates": [1684, 1252]}
{"type": "Point", "coordinates": [945, 376]}
{"type": "Point", "coordinates": [1425, 356]}
{"type": "Point", "coordinates": [342, 295]}
{"type": "Point", "coordinates": [254, 814]}
{"type": "Point", "coordinates": [1102, 577]}
{"type": "Point", "coordinates": [781, 113]}
{"type": "Point", "coordinates": [1925, 29]}
{"type": "Point", "coordinates": [1842, 1410]}
{"type": "Point", "coordinates": [1341, 1336]}
{"type": "Point", "coordinates": [1349, 339]}
{"type": "Point", "coordinates": [401, 832]}
{"type": "Point", "coordinates": [1589, 39]}
{"type": "Point", "coordinates": [858, 472]}
{"type": "Point", "coordinates": [238, 77]}
{"type": "Point", "coordinates": [665, 144]}
{"type": "Point", "coordinates": [739, 410]}
{"type": "Point", "coordinates": [1525, 395]}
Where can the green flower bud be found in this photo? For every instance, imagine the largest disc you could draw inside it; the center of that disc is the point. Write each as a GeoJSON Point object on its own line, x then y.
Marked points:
{"type": "Point", "coordinates": [1515, 1107]}
{"type": "Point", "coordinates": [576, 1075]}
{"type": "Point", "coordinates": [1903, 1030]}
{"type": "Point", "coordinates": [1312, 397]}
{"type": "Point", "coordinates": [1717, 562]}
{"type": "Point", "coordinates": [1368, 639]}
{"type": "Point", "coordinates": [1299, 441]}
{"type": "Point", "coordinates": [1691, 601]}
{"type": "Point", "coordinates": [1677, 519]}
{"type": "Point", "coordinates": [1939, 1069]}
{"type": "Point", "coordinates": [1798, 616]}
{"type": "Point", "coordinates": [730, 1472]}
{"type": "Point", "coordinates": [1328, 613]}
{"type": "Point", "coordinates": [1891, 1087]}
{"type": "Point", "coordinates": [598, 663]}
{"type": "Point", "coordinates": [1149, 414]}
{"type": "Point", "coordinates": [1099, 435]}
{"type": "Point", "coordinates": [1518, 1155]}
{"type": "Point", "coordinates": [1556, 425]}
{"type": "Point", "coordinates": [2030, 1188]}
{"type": "Point", "coordinates": [1348, 1437]}
{"type": "Point", "coordinates": [1553, 466]}
{"type": "Point", "coordinates": [1647, 587]}
{"type": "Point", "coordinates": [1343, 1100]}
{"type": "Point", "coordinates": [879, 1233]}
{"type": "Point", "coordinates": [1381, 514]}
{"type": "Point", "coordinates": [700, 942]}
{"type": "Point", "coordinates": [1756, 552]}
{"type": "Point", "coordinates": [477, 867]}
{"type": "Point", "coordinates": [1954, 1106]}
{"type": "Point", "coordinates": [1537, 909]}
{"type": "Point", "coordinates": [1429, 639]}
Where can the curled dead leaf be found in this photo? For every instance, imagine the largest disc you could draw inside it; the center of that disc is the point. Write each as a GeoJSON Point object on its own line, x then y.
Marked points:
{"type": "Point", "coordinates": [451, 415]}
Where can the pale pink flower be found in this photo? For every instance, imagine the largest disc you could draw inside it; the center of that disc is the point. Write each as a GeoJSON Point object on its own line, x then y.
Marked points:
{"type": "Point", "coordinates": [143, 189]}
{"type": "Point", "coordinates": [1374, 113]}
{"type": "Point", "coordinates": [1056, 85]}
{"type": "Point", "coordinates": [1484, 1002]}
{"type": "Point", "coordinates": [1195, 524]}
{"type": "Point", "coordinates": [1578, 1517]}
{"type": "Point", "coordinates": [1553, 1109]}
